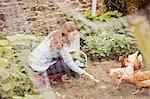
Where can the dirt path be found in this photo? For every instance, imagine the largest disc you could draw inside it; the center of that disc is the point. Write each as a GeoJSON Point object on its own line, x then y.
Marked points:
{"type": "Point", "coordinates": [83, 88]}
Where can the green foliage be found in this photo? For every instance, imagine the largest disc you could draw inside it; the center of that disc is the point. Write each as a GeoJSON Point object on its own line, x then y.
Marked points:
{"type": "Point", "coordinates": [14, 52]}
{"type": "Point", "coordinates": [113, 41]}
{"type": "Point", "coordinates": [102, 44]}
{"type": "Point", "coordinates": [120, 5]}
{"type": "Point", "coordinates": [102, 18]}
{"type": "Point", "coordinates": [119, 26]}
{"type": "Point", "coordinates": [36, 32]}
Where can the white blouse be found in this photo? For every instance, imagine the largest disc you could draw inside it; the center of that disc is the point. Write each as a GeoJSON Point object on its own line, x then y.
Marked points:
{"type": "Point", "coordinates": [41, 57]}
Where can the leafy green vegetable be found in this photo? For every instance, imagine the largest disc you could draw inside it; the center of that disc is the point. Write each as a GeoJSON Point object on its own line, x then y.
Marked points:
{"type": "Point", "coordinates": [14, 52]}
{"type": "Point", "coordinates": [105, 44]}
{"type": "Point", "coordinates": [113, 41]}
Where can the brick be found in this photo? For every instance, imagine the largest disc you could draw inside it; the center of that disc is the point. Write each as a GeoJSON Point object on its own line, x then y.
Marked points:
{"type": "Point", "coordinates": [32, 19]}
{"type": "Point", "coordinates": [2, 17]}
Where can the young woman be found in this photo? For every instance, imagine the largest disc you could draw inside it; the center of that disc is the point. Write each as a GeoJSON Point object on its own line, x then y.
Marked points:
{"type": "Point", "coordinates": [52, 54]}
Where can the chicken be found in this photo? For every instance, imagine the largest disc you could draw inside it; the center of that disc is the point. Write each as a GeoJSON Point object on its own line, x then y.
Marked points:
{"type": "Point", "coordinates": [138, 63]}
{"type": "Point", "coordinates": [133, 58]}
{"type": "Point", "coordinates": [139, 79]}
{"type": "Point", "coordinates": [119, 72]}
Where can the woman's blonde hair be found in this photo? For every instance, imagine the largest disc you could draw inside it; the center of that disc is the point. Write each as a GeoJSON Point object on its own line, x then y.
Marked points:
{"type": "Point", "coordinates": [59, 37]}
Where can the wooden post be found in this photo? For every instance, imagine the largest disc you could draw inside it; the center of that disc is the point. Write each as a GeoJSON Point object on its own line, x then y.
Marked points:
{"type": "Point", "coordinates": [94, 2]}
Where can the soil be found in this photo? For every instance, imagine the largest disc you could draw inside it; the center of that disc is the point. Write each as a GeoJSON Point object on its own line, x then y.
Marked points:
{"type": "Point", "coordinates": [84, 88]}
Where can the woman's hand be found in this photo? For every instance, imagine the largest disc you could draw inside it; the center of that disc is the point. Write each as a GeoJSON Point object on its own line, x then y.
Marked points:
{"type": "Point", "coordinates": [91, 77]}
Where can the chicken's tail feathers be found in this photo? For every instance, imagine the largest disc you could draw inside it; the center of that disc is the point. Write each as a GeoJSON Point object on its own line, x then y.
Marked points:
{"type": "Point", "coordinates": [140, 57]}
{"type": "Point", "coordinates": [134, 54]}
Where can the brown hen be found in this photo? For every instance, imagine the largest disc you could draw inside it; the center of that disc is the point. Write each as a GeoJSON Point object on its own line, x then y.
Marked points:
{"type": "Point", "coordinates": [139, 79]}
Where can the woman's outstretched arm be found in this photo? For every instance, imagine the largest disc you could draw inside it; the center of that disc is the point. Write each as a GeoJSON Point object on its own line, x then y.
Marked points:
{"type": "Point", "coordinates": [64, 52]}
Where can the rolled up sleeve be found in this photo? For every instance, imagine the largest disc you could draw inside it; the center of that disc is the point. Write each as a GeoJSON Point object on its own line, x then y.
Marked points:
{"type": "Point", "coordinates": [69, 61]}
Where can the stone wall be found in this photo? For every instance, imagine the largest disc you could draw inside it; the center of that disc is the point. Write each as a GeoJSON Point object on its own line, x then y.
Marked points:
{"type": "Point", "coordinates": [20, 16]}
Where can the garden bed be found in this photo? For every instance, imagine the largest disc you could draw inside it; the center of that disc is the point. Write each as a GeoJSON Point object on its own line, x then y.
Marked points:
{"type": "Point", "coordinates": [83, 88]}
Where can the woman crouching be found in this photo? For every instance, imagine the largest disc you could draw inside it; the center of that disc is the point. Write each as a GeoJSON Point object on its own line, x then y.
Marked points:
{"type": "Point", "coordinates": [52, 55]}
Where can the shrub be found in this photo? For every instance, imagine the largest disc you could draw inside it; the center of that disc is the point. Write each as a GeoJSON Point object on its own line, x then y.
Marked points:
{"type": "Point", "coordinates": [102, 44]}
{"type": "Point", "coordinates": [14, 51]}
{"type": "Point", "coordinates": [110, 42]}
